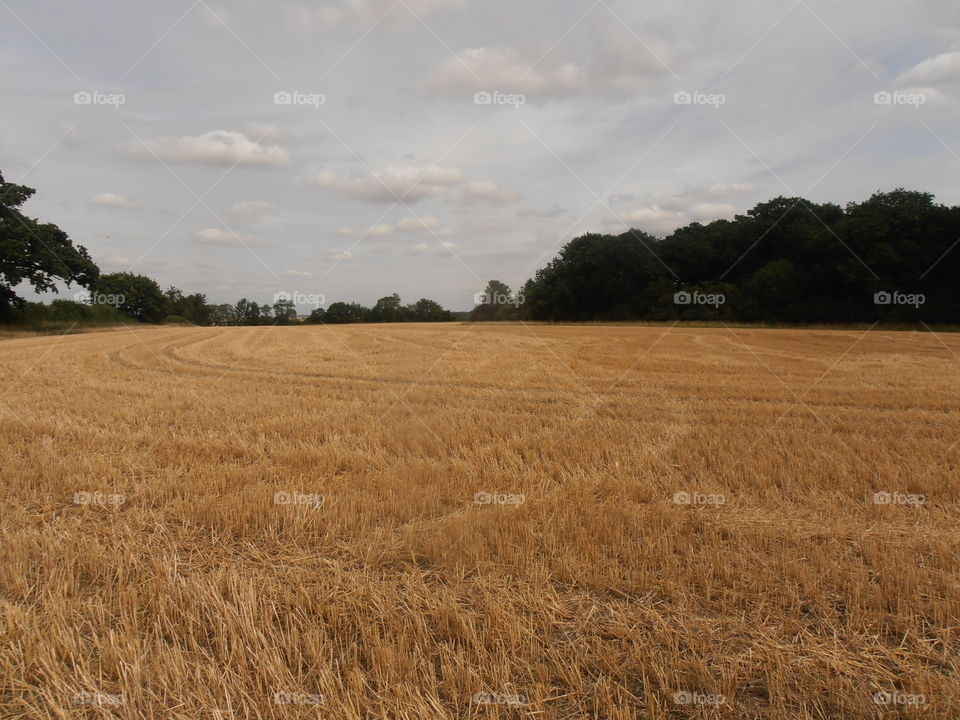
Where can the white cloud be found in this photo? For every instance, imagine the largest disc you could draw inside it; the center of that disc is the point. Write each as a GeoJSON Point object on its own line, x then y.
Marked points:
{"type": "Point", "coordinates": [488, 192]}
{"type": "Point", "coordinates": [428, 224]}
{"type": "Point", "coordinates": [711, 211]}
{"type": "Point", "coordinates": [410, 183]}
{"type": "Point", "coordinates": [117, 260]}
{"type": "Point", "coordinates": [444, 249]}
{"type": "Point", "coordinates": [219, 147]}
{"type": "Point", "coordinates": [409, 224]}
{"type": "Point", "coordinates": [215, 236]}
{"type": "Point", "coordinates": [297, 274]}
{"type": "Point", "coordinates": [112, 200]}
{"type": "Point", "coordinates": [250, 212]}
{"type": "Point", "coordinates": [381, 230]}
{"type": "Point", "coordinates": [263, 132]}
{"type": "Point", "coordinates": [723, 189]}
{"type": "Point", "coordinates": [613, 61]}
{"type": "Point", "coordinates": [340, 255]}
{"type": "Point", "coordinates": [938, 70]}
{"type": "Point", "coordinates": [300, 17]}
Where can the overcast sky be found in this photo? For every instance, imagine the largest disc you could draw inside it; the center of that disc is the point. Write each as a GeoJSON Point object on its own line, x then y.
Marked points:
{"type": "Point", "coordinates": [387, 173]}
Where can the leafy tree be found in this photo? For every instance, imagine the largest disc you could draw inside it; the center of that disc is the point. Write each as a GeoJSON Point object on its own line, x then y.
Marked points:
{"type": "Point", "coordinates": [224, 314]}
{"type": "Point", "coordinates": [388, 309]}
{"type": "Point", "coordinates": [135, 295]}
{"type": "Point", "coordinates": [246, 312]}
{"type": "Point", "coordinates": [425, 310]}
{"type": "Point", "coordinates": [34, 252]}
{"type": "Point", "coordinates": [341, 313]}
{"type": "Point", "coordinates": [317, 316]}
{"type": "Point", "coordinates": [284, 311]}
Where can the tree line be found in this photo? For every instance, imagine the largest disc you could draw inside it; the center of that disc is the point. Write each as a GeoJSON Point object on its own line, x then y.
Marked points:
{"type": "Point", "coordinates": [787, 260]}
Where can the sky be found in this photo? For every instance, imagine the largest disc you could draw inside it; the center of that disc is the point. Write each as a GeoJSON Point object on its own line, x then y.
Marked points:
{"type": "Point", "coordinates": [352, 149]}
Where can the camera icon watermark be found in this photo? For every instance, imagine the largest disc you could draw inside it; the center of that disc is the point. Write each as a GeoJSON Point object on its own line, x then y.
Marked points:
{"type": "Point", "coordinates": [498, 298]}
{"type": "Point", "coordinates": [95, 97]}
{"type": "Point", "coordinates": [96, 298]}
{"type": "Point", "coordinates": [898, 498]}
{"type": "Point", "coordinates": [297, 698]}
{"type": "Point", "coordinates": [687, 97]}
{"type": "Point", "coordinates": [897, 698]}
{"type": "Point", "coordinates": [85, 497]}
{"type": "Point", "coordinates": [885, 97]}
{"type": "Point", "coordinates": [884, 297]}
{"type": "Point", "coordinates": [493, 698]}
{"type": "Point", "coordinates": [687, 697]}
{"type": "Point", "coordinates": [485, 97]}
{"type": "Point", "coordinates": [694, 498]}
{"type": "Point", "coordinates": [295, 97]}
{"type": "Point", "coordinates": [296, 498]}
{"type": "Point", "coordinates": [486, 498]}
{"type": "Point", "coordinates": [299, 298]}
{"type": "Point", "coordinates": [97, 699]}
{"type": "Point", "coordinates": [698, 298]}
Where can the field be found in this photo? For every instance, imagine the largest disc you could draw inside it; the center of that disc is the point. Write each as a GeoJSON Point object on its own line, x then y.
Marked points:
{"type": "Point", "coordinates": [455, 521]}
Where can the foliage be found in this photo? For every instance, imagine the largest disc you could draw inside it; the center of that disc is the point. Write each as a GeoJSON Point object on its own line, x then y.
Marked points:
{"type": "Point", "coordinates": [34, 252]}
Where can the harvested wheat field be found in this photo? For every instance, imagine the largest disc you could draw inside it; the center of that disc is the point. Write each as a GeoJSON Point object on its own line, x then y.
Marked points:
{"type": "Point", "coordinates": [454, 521]}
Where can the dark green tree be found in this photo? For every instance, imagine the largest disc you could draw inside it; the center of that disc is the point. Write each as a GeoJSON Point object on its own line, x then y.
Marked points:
{"type": "Point", "coordinates": [135, 295]}
{"type": "Point", "coordinates": [35, 252]}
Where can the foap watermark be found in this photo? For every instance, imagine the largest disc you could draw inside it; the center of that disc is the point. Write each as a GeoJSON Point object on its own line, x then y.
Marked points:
{"type": "Point", "coordinates": [295, 97]}
{"type": "Point", "coordinates": [98, 498]}
{"type": "Point", "coordinates": [687, 697]}
{"type": "Point", "coordinates": [884, 297]}
{"type": "Point", "coordinates": [694, 498]}
{"type": "Point", "coordinates": [485, 498]}
{"type": "Point", "coordinates": [97, 699]}
{"type": "Point", "coordinates": [297, 698]}
{"type": "Point", "coordinates": [492, 698]}
{"type": "Point", "coordinates": [485, 97]}
{"type": "Point", "coordinates": [95, 97]}
{"type": "Point", "coordinates": [297, 498]}
{"type": "Point", "coordinates": [898, 698]}
{"type": "Point", "coordinates": [885, 97]}
{"type": "Point", "coordinates": [698, 298]}
{"type": "Point", "coordinates": [98, 298]}
{"type": "Point", "coordinates": [899, 498]}
{"type": "Point", "coordinates": [300, 298]}
{"type": "Point", "coordinates": [498, 298]}
{"type": "Point", "coordinates": [688, 97]}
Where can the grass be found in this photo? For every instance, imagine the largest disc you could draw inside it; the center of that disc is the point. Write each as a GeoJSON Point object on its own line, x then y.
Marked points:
{"type": "Point", "coordinates": [683, 523]}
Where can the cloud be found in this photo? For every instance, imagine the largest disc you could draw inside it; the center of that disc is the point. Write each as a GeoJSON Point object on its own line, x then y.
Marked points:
{"type": "Point", "coordinates": [653, 219]}
{"type": "Point", "coordinates": [117, 260]}
{"type": "Point", "coordinates": [428, 224]}
{"type": "Point", "coordinates": [112, 200]}
{"type": "Point", "coordinates": [488, 192]}
{"type": "Point", "coordinates": [250, 212]}
{"type": "Point", "coordinates": [299, 17]}
{"type": "Point", "coordinates": [412, 184]}
{"type": "Point", "coordinates": [939, 70]}
{"type": "Point", "coordinates": [712, 211]}
{"type": "Point", "coordinates": [723, 189]}
{"type": "Point", "coordinates": [263, 132]}
{"type": "Point", "coordinates": [443, 249]}
{"type": "Point", "coordinates": [297, 274]}
{"type": "Point", "coordinates": [381, 230]}
{"type": "Point", "coordinates": [549, 212]}
{"type": "Point", "coordinates": [340, 255]}
{"type": "Point", "coordinates": [611, 61]}
{"type": "Point", "coordinates": [219, 147]}
{"type": "Point", "coordinates": [215, 236]}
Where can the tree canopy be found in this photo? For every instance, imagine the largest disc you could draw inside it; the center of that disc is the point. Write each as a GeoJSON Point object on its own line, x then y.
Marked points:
{"type": "Point", "coordinates": [35, 252]}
